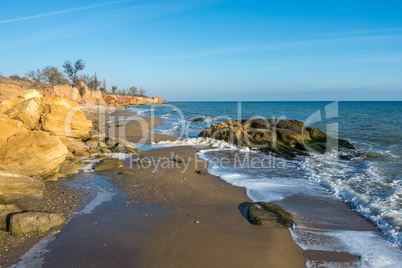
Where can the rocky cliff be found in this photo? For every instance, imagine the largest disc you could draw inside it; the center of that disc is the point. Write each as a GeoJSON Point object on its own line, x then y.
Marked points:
{"type": "Point", "coordinates": [131, 100]}
{"type": "Point", "coordinates": [82, 95]}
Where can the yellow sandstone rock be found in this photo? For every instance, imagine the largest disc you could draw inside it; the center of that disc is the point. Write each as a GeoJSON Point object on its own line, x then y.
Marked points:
{"type": "Point", "coordinates": [32, 153]}
{"type": "Point", "coordinates": [6, 105]}
{"type": "Point", "coordinates": [28, 112]}
{"type": "Point", "coordinates": [63, 117]}
{"type": "Point", "coordinates": [8, 128]}
{"type": "Point", "coordinates": [26, 95]}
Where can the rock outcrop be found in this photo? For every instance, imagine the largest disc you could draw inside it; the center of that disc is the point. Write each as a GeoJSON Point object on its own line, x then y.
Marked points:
{"type": "Point", "coordinates": [285, 138]}
{"type": "Point", "coordinates": [28, 112]}
{"type": "Point", "coordinates": [86, 95]}
{"type": "Point", "coordinates": [26, 95]}
{"type": "Point", "coordinates": [25, 192]}
{"type": "Point", "coordinates": [131, 100]}
{"type": "Point", "coordinates": [32, 153]}
{"type": "Point", "coordinates": [6, 105]}
{"type": "Point", "coordinates": [34, 222]}
{"type": "Point", "coordinates": [63, 117]}
{"type": "Point", "coordinates": [8, 127]}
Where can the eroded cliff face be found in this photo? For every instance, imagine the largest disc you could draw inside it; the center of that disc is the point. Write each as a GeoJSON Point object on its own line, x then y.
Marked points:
{"type": "Point", "coordinates": [8, 90]}
{"type": "Point", "coordinates": [131, 100]}
{"type": "Point", "coordinates": [84, 95]}
{"type": "Point", "coordinates": [69, 92]}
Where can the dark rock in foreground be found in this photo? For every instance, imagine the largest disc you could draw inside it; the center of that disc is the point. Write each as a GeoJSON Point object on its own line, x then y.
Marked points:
{"type": "Point", "coordinates": [34, 222]}
{"type": "Point", "coordinates": [282, 137]}
{"type": "Point", "coordinates": [262, 212]}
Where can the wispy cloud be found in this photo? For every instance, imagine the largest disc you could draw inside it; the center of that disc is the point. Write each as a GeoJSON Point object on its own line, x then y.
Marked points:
{"type": "Point", "coordinates": [66, 11]}
{"type": "Point", "coordinates": [361, 32]}
{"type": "Point", "coordinates": [273, 46]}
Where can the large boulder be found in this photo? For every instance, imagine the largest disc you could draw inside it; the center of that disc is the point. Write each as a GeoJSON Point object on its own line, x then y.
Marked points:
{"type": "Point", "coordinates": [34, 222]}
{"type": "Point", "coordinates": [25, 192]}
{"type": "Point", "coordinates": [63, 117]}
{"type": "Point", "coordinates": [28, 112]}
{"type": "Point", "coordinates": [5, 211]}
{"type": "Point", "coordinates": [6, 105]}
{"type": "Point", "coordinates": [285, 138]}
{"type": "Point", "coordinates": [9, 127]}
{"type": "Point", "coordinates": [26, 95]}
{"type": "Point", "coordinates": [32, 153]}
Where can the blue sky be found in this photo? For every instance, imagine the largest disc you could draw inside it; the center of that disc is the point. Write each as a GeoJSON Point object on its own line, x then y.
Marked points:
{"type": "Point", "coordinates": [215, 50]}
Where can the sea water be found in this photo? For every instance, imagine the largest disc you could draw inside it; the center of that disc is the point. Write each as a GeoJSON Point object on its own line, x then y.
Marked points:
{"type": "Point", "coordinates": [368, 178]}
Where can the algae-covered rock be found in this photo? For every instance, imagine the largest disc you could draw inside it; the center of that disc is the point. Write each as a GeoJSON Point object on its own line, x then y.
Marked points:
{"type": "Point", "coordinates": [71, 166]}
{"type": "Point", "coordinates": [34, 222]}
{"type": "Point", "coordinates": [282, 137]}
{"type": "Point", "coordinates": [3, 237]}
{"type": "Point", "coordinates": [109, 163]}
{"type": "Point", "coordinates": [180, 160]}
{"type": "Point", "coordinates": [262, 212]}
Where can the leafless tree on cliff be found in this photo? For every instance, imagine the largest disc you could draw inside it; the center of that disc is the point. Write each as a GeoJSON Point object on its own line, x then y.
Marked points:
{"type": "Point", "coordinates": [133, 90]}
{"type": "Point", "coordinates": [114, 89]}
{"type": "Point", "coordinates": [35, 75]}
{"type": "Point", "coordinates": [104, 85]}
{"type": "Point", "coordinates": [142, 91]}
{"type": "Point", "coordinates": [71, 70]}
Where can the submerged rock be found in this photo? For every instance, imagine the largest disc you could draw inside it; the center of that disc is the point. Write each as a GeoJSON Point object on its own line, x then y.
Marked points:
{"type": "Point", "coordinates": [34, 222]}
{"type": "Point", "coordinates": [109, 163]}
{"type": "Point", "coordinates": [25, 192]}
{"type": "Point", "coordinates": [32, 153]}
{"type": "Point", "coordinates": [262, 212]}
{"type": "Point", "coordinates": [285, 138]}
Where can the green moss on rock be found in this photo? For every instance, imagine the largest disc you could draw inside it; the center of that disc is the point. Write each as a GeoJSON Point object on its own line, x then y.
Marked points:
{"type": "Point", "coordinates": [261, 212]}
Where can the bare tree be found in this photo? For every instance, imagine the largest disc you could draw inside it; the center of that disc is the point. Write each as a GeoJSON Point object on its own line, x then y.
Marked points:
{"type": "Point", "coordinates": [104, 85]}
{"type": "Point", "coordinates": [142, 91]}
{"type": "Point", "coordinates": [114, 89]}
{"type": "Point", "coordinates": [133, 91]}
{"type": "Point", "coordinates": [53, 76]}
{"type": "Point", "coordinates": [96, 82]}
{"type": "Point", "coordinates": [35, 75]}
{"type": "Point", "coordinates": [71, 70]}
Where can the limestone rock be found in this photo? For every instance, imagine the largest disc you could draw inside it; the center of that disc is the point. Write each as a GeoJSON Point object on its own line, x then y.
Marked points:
{"type": "Point", "coordinates": [26, 95]}
{"type": "Point", "coordinates": [25, 192]}
{"type": "Point", "coordinates": [6, 105]}
{"type": "Point", "coordinates": [109, 163]}
{"type": "Point", "coordinates": [32, 153]}
{"type": "Point", "coordinates": [62, 117]}
{"type": "Point", "coordinates": [9, 127]}
{"type": "Point", "coordinates": [34, 222]}
{"type": "Point", "coordinates": [28, 112]}
{"type": "Point", "coordinates": [5, 211]}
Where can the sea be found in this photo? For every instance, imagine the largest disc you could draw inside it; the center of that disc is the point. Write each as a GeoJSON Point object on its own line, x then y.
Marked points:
{"type": "Point", "coordinates": [367, 180]}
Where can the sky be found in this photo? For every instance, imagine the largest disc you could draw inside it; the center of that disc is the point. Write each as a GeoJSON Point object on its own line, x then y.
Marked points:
{"type": "Point", "coordinates": [215, 50]}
